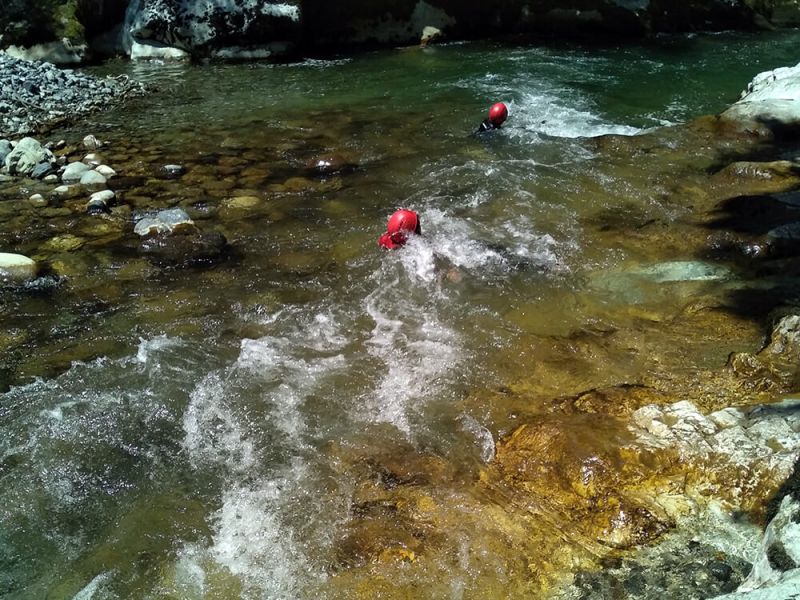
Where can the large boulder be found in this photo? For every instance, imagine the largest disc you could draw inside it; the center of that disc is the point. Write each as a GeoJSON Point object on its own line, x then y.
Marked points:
{"type": "Point", "coordinates": [771, 100]}
{"type": "Point", "coordinates": [173, 27]}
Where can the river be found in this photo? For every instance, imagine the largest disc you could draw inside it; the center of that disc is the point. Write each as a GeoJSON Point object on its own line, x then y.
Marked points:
{"type": "Point", "coordinates": [190, 432]}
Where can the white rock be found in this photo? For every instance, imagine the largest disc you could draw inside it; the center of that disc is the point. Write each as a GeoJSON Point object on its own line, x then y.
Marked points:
{"type": "Point", "coordinates": [16, 268]}
{"type": "Point", "coordinates": [73, 172]}
{"type": "Point", "coordinates": [770, 96]}
{"type": "Point", "coordinates": [105, 171]}
{"type": "Point", "coordinates": [104, 196]}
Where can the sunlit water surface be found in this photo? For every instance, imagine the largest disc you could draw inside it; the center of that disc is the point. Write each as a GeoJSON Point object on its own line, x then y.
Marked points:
{"type": "Point", "coordinates": [193, 446]}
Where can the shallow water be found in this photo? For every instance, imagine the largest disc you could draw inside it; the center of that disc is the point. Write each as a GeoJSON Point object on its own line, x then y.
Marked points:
{"type": "Point", "coordinates": [189, 432]}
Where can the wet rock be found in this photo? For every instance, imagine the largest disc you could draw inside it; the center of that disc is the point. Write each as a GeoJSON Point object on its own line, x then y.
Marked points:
{"type": "Point", "coordinates": [92, 180]}
{"type": "Point", "coordinates": [776, 571]}
{"type": "Point", "coordinates": [173, 220]}
{"type": "Point", "coordinates": [16, 268]}
{"type": "Point", "coordinates": [63, 243]}
{"type": "Point", "coordinates": [105, 171]}
{"type": "Point", "coordinates": [185, 248]}
{"type": "Point", "coordinates": [37, 200]}
{"type": "Point", "coordinates": [90, 142]}
{"type": "Point", "coordinates": [329, 164]}
{"type": "Point", "coordinates": [171, 236]}
{"type": "Point", "coordinates": [74, 171]}
{"type": "Point", "coordinates": [66, 192]}
{"type": "Point", "coordinates": [172, 171]}
{"type": "Point", "coordinates": [100, 202]}
{"type": "Point", "coordinates": [776, 365]}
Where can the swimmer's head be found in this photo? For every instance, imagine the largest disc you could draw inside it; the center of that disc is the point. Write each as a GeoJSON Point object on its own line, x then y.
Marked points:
{"type": "Point", "coordinates": [498, 114]}
{"type": "Point", "coordinates": [402, 223]}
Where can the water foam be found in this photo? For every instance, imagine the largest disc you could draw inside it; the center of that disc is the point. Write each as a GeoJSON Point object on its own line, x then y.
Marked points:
{"type": "Point", "coordinates": [414, 348]}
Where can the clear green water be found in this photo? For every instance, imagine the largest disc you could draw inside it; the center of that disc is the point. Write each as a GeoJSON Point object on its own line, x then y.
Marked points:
{"type": "Point", "coordinates": [179, 433]}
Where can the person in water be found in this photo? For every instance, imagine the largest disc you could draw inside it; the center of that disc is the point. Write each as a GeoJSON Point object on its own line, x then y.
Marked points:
{"type": "Point", "coordinates": [497, 116]}
{"type": "Point", "coordinates": [402, 223]}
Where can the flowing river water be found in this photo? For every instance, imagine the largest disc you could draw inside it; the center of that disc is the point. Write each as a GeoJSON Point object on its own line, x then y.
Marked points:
{"type": "Point", "coordinates": [202, 431]}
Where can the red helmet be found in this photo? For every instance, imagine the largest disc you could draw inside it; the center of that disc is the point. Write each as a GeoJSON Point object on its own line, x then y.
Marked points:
{"type": "Point", "coordinates": [401, 223]}
{"type": "Point", "coordinates": [498, 114]}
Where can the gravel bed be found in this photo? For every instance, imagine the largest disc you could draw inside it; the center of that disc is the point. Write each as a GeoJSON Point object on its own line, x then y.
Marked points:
{"type": "Point", "coordinates": [37, 95]}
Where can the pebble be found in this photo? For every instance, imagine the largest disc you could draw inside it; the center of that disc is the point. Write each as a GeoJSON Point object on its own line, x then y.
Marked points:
{"type": "Point", "coordinates": [16, 267]}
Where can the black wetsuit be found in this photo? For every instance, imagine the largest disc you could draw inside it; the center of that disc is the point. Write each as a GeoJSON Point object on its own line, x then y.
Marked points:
{"type": "Point", "coordinates": [486, 126]}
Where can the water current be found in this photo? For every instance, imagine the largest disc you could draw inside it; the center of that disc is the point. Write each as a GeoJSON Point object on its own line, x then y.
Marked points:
{"type": "Point", "coordinates": [191, 432]}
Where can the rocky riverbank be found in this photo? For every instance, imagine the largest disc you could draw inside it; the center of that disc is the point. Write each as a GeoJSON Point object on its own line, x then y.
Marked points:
{"type": "Point", "coordinates": [35, 96]}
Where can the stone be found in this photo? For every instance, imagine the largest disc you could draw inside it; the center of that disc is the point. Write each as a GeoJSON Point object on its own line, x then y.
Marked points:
{"type": "Point", "coordinates": [16, 268]}
{"type": "Point", "coordinates": [42, 170]}
{"type": "Point", "coordinates": [65, 192]}
{"type": "Point", "coordinates": [173, 220]}
{"type": "Point", "coordinates": [100, 202]}
{"type": "Point", "coordinates": [90, 142]}
{"type": "Point", "coordinates": [771, 98]}
{"type": "Point", "coordinates": [63, 243]}
{"type": "Point", "coordinates": [172, 171]}
{"type": "Point", "coordinates": [37, 200]}
{"type": "Point", "coordinates": [5, 150]}
{"type": "Point", "coordinates": [74, 171]}
{"type": "Point", "coordinates": [26, 155]}
{"type": "Point", "coordinates": [52, 178]}
{"type": "Point", "coordinates": [105, 171]}
{"type": "Point", "coordinates": [184, 249]}
{"type": "Point", "coordinates": [776, 572]}
{"type": "Point", "coordinates": [92, 159]}
{"type": "Point", "coordinates": [93, 180]}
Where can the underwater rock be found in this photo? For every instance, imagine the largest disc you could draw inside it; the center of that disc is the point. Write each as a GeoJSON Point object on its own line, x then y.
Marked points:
{"type": "Point", "coordinates": [171, 236]}
{"type": "Point", "coordinates": [173, 220]}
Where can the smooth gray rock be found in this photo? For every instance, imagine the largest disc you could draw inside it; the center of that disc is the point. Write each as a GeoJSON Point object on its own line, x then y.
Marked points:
{"type": "Point", "coordinates": [74, 171]}
{"type": "Point", "coordinates": [93, 180]}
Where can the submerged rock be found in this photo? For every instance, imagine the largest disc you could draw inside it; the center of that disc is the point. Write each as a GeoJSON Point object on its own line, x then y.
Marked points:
{"type": "Point", "coordinates": [172, 236]}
